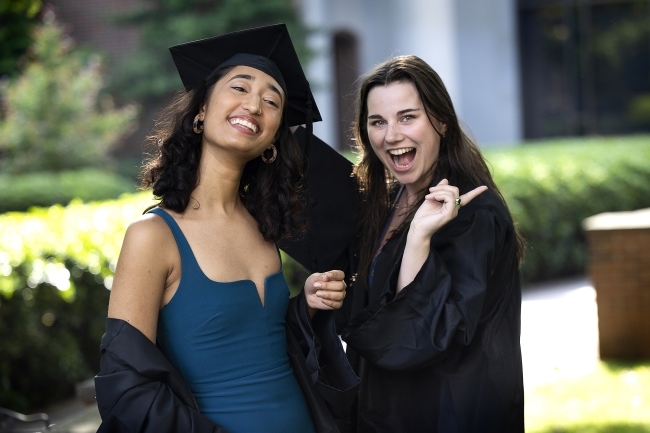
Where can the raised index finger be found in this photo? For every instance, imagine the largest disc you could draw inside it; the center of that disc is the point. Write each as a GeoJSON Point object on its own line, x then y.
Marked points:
{"type": "Point", "coordinates": [469, 196]}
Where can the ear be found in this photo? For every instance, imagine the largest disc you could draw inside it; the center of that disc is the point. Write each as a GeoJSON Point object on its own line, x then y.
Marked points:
{"type": "Point", "coordinates": [443, 128]}
{"type": "Point", "coordinates": [202, 112]}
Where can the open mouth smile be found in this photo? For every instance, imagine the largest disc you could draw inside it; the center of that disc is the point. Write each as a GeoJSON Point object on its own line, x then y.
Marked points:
{"type": "Point", "coordinates": [254, 128]}
{"type": "Point", "coordinates": [402, 158]}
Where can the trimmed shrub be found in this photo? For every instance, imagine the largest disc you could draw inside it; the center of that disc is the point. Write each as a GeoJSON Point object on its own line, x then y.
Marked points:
{"type": "Point", "coordinates": [552, 186]}
{"type": "Point", "coordinates": [20, 192]}
{"type": "Point", "coordinates": [55, 267]}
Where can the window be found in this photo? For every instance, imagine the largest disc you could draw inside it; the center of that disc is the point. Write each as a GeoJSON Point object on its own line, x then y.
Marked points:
{"type": "Point", "coordinates": [585, 66]}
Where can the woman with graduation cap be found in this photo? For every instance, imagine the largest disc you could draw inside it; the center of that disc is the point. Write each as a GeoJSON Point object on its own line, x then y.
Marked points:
{"type": "Point", "coordinates": [432, 321]}
{"type": "Point", "coordinates": [197, 336]}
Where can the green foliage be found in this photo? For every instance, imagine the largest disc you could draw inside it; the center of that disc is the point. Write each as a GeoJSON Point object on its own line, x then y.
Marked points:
{"type": "Point", "coordinates": [612, 399]}
{"type": "Point", "coordinates": [638, 111]}
{"type": "Point", "coordinates": [150, 72]}
{"type": "Point", "coordinates": [52, 115]}
{"type": "Point", "coordinates": [294, 273]}
{"type": "Point", "coordinates": [16, 20]}
{"type": "Point", "coordinates": [616, 427]}
{"type": "Point", "coordinates": [551, 187]}
{"type": "Point", "coordinates": [20, 192]}
{"type": "Point", "coordinates": [55, 265]}
{"type": "Point", "coordinates": [49, 342]}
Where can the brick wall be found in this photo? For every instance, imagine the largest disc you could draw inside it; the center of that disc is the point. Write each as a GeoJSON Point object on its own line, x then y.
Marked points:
{"type": "Point", "coordinates": [619, 267]}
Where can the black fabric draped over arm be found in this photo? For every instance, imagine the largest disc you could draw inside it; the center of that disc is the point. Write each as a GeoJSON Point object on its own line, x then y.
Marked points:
{"type": "Point", "coordinates": [320, 365]}
{"type": "Point", "coordinates": [139, 390]}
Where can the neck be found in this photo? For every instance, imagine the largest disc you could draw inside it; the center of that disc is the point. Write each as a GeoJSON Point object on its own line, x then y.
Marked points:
{"type": "Point", "coordinates": [410, 195]}
{"type": "Point", "coordinates": [218, 185]}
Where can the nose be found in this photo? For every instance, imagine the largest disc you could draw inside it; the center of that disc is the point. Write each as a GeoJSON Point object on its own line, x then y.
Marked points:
{"type": "Point", "coordinates": [393, 134]}
{"type": "Point", "coordinates": [252, 104]}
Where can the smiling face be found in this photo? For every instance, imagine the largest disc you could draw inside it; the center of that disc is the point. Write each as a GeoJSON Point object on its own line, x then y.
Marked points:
{"type": "Point", "coordinates": [243, 112]}
{"type": "Point", "coordinates": [402, 135]}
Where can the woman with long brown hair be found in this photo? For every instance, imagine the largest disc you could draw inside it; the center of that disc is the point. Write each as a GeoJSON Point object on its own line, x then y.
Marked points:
{"type": "Point", "coordinates": [432, 321]}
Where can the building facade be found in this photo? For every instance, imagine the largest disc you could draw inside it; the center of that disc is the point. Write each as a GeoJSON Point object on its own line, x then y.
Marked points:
{"type": "Point", "coordinates": [515, 69]}
{"type": "Point", "coordinates": [472, 44]}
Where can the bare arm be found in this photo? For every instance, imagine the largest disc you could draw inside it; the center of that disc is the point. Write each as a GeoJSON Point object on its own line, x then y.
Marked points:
{"type": "Point", "coordinates": [142, 274]}
{"type": "Point", "coordinates": [437, 210]}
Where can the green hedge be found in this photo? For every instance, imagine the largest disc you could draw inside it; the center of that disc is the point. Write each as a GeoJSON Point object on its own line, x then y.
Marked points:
{"type": "Point", "coordinates": [552, 186]}
{"type": "Point", "coordinates": [56, 263]}
{"type": "Point", "coordinates": [20, 192]}
{"type": "Point", "coordinates": [55, 267]}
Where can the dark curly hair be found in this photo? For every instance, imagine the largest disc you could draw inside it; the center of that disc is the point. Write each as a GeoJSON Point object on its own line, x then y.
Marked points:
{"type": "Point", "coordinates": [459, 161]}
{"type": "Point", "coordinates": [272, 193]}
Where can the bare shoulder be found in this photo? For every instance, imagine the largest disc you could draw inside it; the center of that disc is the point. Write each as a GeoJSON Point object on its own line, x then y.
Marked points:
{"type": "Point", "coordinates": [145, 262]}
{"type": "Point", "coordinates": [148, 230]}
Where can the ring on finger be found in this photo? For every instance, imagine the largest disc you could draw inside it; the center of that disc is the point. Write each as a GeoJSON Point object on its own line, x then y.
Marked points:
{"type": "Point", "coordinates": [457, 201]}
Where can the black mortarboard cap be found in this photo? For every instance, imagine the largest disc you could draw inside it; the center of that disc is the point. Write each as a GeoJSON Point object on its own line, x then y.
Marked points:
{"type": "Point", "coordinates": [268, 49]}
{"type": "Point", "coordinates": [333, 205]}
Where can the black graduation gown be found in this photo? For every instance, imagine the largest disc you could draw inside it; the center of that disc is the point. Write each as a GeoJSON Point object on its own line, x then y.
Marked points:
{"type": "Point", "coordinates": [139, 390]}
{"type": "Point", "coordinates": [443, 355]}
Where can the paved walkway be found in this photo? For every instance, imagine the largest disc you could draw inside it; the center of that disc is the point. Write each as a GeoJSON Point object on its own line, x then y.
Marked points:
{"type": "Point", "coordinates": [559, 331]}
{"type": "Point", "coordinates": [559, 339]}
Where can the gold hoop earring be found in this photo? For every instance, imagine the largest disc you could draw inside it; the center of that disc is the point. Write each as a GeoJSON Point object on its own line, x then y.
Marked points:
{"type": "Point", "coordinates": [198, 128]}
{"type": "Point", "coordinates": [272, 158]}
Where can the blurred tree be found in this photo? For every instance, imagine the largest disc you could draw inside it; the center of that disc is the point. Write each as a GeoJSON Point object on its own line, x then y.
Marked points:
{"type": "Point", "coordinates": [54, 118]}
{"type": "Point", "coordinates": [16, 20]}
{"type": "Point", "coordinates": [150, 74]}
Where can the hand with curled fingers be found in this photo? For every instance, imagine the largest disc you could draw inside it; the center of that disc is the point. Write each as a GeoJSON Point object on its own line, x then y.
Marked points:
{"type": "Point", "coordinates": [440, 206]}
{"type": "Point", "coordinates": [325, 291]}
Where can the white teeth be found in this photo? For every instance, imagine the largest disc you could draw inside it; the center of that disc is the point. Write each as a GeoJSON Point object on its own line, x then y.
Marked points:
{"type": "Point", "coordinates": [396, 152]}
{"type": "Point", "coordinates": [246, 123]}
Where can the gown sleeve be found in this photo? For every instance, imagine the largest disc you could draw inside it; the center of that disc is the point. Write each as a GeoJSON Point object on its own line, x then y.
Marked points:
{"type": "Point", "coordinates": [138, 390]}
{"type": "Point", "coordinates": [441, 308]}
{"type": "Point", "coordinates": [320, 364]}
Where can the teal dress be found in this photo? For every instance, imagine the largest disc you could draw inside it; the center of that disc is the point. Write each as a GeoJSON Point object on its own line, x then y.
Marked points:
{"type": "Point", "coordinates": [232, 350]}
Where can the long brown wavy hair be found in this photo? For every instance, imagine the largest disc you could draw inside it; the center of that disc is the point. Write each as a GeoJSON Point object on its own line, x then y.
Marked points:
{"type": "Point", "coordinates": [272, 193]}
{"type": "Point", "coordinates": [459, 161]}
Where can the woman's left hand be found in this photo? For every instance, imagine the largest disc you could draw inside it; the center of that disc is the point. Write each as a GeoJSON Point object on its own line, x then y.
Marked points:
{"type": "Point", "coordinates": [439, 207]}
{"type": "Point", "coordinates": [325, 291]}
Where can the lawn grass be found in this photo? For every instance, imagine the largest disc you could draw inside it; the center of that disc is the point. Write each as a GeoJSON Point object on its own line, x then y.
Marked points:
{"type": "Point", "coordinates": [613, 399]}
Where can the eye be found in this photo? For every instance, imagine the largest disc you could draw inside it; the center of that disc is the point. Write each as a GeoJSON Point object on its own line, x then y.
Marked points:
{"type": "Point", "coordinates": [272, 102]}
{"type": "Point", "coordinates": [408, 118]}
{"type": "Point", "coordinates": [238, 88]}
{"type": "Point", "coordinates": [377, 122]}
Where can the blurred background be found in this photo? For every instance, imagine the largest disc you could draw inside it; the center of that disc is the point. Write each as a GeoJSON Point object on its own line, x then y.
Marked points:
{"type": "Point", "coordinates": [556, 92]}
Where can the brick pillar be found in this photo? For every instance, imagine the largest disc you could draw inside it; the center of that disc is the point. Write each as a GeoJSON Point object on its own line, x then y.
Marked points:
{"type": "Point", "coordinates": [619, 267]}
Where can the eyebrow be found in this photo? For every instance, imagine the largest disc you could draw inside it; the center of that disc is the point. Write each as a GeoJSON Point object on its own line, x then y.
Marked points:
{"type": "Point", "coordinates": [251, 78]}
{"type": "Point", "coordinates": [407, 110]}
{"type": "Point", "coordinates": [399, 113]}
